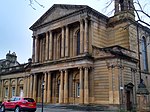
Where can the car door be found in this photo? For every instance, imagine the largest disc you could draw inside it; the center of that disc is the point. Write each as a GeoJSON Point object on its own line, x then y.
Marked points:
{"type": "Point", "coordinates": [13, 103]}
{"type": "Point", "coordinates": [9, 103]}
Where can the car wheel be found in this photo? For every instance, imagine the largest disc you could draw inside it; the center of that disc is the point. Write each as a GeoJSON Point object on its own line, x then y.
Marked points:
{"type": "Point", "coordinates": [17, 109]}
{"type": "Point", "coordinates": [2, 108]}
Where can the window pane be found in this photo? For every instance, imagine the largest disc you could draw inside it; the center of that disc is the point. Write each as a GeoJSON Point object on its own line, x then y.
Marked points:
{"type": "Point", "coordinates": [6, 92]}
{"type": "Point", "coordinates": [29, 99]}
{"type": "Point", "coordinates": [144, 54]}
{"type": "Point", "coordinates": [13, 91]}
{"type": "Point", "coordinates": [77, 89]}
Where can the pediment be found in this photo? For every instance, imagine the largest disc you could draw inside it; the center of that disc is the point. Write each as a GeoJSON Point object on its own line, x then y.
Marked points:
{"type": "Point", "coordinates": [55, 12]}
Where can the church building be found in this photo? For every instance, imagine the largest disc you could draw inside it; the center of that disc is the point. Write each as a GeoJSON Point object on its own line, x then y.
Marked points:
{"type": "Point", "coordinates": [84, 57]}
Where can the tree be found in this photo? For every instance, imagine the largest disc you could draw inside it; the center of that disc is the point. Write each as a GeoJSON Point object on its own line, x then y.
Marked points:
{"type": "Point", "coordinates": [31, 3]}
{"type": "Point", "coordinates": [140, 8]}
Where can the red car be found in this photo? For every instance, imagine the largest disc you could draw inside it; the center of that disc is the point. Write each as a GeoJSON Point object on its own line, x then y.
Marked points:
{"type": "Point", "coordinates": [18, 104]}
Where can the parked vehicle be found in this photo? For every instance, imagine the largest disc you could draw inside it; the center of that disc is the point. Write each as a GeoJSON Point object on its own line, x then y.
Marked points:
{"type": "Point", "coordinates": [18, 104]}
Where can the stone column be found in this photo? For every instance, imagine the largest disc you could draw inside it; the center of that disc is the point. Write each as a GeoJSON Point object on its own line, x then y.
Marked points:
{"type": "Point", "coordinates": [46, 49]}
{"type": "Point", "coordinates": [86, 38]}
{"type": "Point", "coordinates": [86, 86]}
{"type": "Point", "coordinates": [81, 87]}
{"type": "Point", "coordinates": [61, 88]}
{"type": "Point", "coordinates": [16, 87]}
{"type": "Point", "coordinates": [45, 87]}
{"type": "Point", "coordinates": [66, 87]}
{"type": "Point", "coordinates": [55, 48]}
{"type": "Point", "coordinates": [81, 37]}
{"type": "Point", "coordinates": [28, 86]}
{"type": "Point", "coordinates": [9, 88]}
{"type": "Point", "coordinates": [36, 49]}
{"type": "Point", "coordinates": [49, 98]}
{"type": "Point", "coordinates": [34, 87]}
{"type": "Point", "coordinates": [2, 89]}
{"type": "Point", "coordinates": [50, 46]}
{"type": "Point", "coordinates": [25, 87]}
{"type": "Point", "coordinates": [43, 49]}
{"type": "Point", "coordinates": [40, 50]}
{"type": "Point", "coordinates": [67, 42]}
{"type": "Point", "coordinates": [33, 50]}
{"type": "Point", "coordinates": [31, 85]}
{"type": "Point", "coordinates": [62, 42]}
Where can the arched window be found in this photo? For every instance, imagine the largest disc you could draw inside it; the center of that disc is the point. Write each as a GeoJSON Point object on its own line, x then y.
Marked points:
{"type": "Point", "coordinates": [78, 42]}
{"type": "Point", "coordinates": [144, 54]}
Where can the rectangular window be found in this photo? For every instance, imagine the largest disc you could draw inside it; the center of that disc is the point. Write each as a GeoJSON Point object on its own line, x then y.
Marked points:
{"type": "Point", "coordinates": [6, 92]}
{"type": "Point", "coordinates": [21, 91]}
{"type": "Point", "coordinates": [13, 91]}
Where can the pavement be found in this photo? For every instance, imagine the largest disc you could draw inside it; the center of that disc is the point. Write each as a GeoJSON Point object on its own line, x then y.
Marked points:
{"type": "Point", "coordinates": [70, 108]}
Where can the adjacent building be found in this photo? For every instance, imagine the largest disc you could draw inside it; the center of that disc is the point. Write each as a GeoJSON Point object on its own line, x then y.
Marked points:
{"type": "Point", "coordinates": [84, 57]}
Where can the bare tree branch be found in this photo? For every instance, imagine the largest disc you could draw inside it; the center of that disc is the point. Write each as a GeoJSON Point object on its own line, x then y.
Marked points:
{"type": "Point", "coordinates": [31, 3]}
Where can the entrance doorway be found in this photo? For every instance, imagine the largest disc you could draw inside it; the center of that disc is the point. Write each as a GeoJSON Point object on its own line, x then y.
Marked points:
{"type": "Point", "coordinates": [129, 96]}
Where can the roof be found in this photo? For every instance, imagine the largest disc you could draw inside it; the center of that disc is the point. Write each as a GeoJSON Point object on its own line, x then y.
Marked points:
{"type": "Point", "coordinates": [58, 11]}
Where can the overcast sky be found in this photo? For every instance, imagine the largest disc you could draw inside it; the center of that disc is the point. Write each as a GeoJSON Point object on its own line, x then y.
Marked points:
{"type": "Point", "coordinates": [16, 18]}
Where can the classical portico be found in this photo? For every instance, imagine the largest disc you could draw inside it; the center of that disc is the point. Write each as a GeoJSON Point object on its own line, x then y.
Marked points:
{"type": "Point", "coordinates": [56, 43]}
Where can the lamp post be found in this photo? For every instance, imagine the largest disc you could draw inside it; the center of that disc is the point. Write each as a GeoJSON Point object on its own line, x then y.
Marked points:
{"type": "Point", "coordinates": [42, 94]}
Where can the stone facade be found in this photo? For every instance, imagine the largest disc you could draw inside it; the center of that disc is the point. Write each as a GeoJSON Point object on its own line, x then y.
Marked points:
{"type": "Point", "coordinates": [84, 57]}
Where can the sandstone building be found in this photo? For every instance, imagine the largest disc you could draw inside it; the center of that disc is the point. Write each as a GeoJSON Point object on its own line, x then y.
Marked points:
{"type": "Point", "coordinates": [84, 57]}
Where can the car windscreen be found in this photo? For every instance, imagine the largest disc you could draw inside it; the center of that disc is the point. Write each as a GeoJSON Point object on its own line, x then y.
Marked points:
{"type": "Point", "coordinates": [29, 99]}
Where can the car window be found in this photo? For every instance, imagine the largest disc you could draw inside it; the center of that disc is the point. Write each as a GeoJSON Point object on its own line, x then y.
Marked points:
{"type": "Point", "coordinates": [16, 99]}
{"type": "Point", "coordinates": [12, 99]}
{"type": "Point", "coordinates": [29, 99]}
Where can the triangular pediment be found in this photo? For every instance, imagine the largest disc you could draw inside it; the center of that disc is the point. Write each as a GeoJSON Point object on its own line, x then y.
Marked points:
{"type": "Point", "coordinates": [55, 12]}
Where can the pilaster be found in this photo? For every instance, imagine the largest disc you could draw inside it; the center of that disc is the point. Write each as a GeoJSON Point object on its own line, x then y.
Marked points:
{"type": "Point", "coordinates": [86, 86]}
{"type": "Point", "coordinates": [33, 49]}
{"type": "Point", "coordinates": [31, 85]}
{"type": "Point", "coordinates": [81, 87]}
{"type": "Point", "coordinates": [50, 45]}
{"type": "Point", "coordinates": [45, 87]}
{"type": "Point", "coordinates": [81, 37]}
{"type": "Point", "coordinates": [86, 38]}
{"type": "Point", "coordinates": [36, 49]}
{"type": "Point", "coordinates": [25, 87]}
{"type": "Point", "coordinates": [35, 87]}
{"type": "Point", "coordinates": [61, 87]}
{"type": "Point", "coordinates": [28, 86]}
{"type": "Point", "coordinates": [67, 42]}
{"type": "Point", "coordinates": [66, 87]}
{"type": "Point", "coordinates": [62, 44]}
{"type": "Point", "coordinates": [49, 98]}
{"type": "Point", "coordinates": [46, 49]}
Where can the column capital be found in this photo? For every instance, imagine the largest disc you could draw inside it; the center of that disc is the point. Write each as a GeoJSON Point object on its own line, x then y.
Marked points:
{"type": "Point", "coordinates": [81, 20]}
{"type": "Point", "coordinates": [61, 70]}
{"type": "Point", "coordinates": [36, 36]}
{"type": "Point", "coordinates": [81, 67]}
{"type": "Point", "coordinates": [33, 37]}
{"type": "Point", "coordinates": [66, 25]}
{"type": "Point", "coordinates": [87, 18]}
